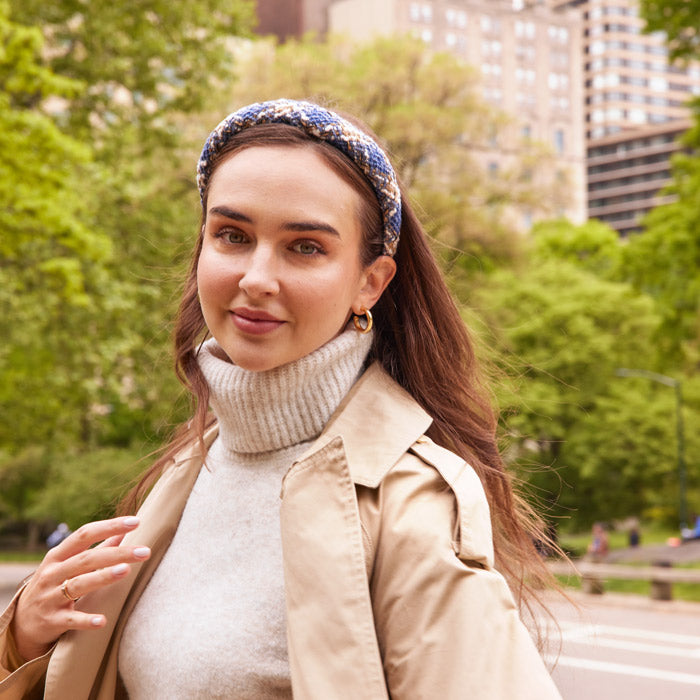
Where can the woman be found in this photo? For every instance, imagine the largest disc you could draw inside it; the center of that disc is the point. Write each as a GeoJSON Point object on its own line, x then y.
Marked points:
{"type": "Point", "coordinates": [339, 371]}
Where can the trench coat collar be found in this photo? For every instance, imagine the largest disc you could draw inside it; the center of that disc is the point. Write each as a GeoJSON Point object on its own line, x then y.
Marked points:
{"type": "Point", "coordinates": [378, 421]}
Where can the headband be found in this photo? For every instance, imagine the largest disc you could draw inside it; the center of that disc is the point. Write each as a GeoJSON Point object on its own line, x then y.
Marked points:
{"type": "Point", "coordinates": [326, 126]}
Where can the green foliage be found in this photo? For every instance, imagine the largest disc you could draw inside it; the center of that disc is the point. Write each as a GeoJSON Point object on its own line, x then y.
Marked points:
{"type": "Point", "coordinates": [592, 246]}
{"type": "Point", "coordinates": [86, 486]}
{"type": "Point", "coordinates": [141, 61]}
{"type": "Point", "coordinates": [22, 478]}
{"type": "Point", "coordinates": [679, 20]}
{"type": "Point", "coordinates": [664, 262]}
{"type": "Point", "coordinates": [559, 333]}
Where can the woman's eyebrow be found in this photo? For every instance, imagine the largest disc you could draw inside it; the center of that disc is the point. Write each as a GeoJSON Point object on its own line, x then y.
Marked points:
{"type": "Point", "coordinates": [230, 214]}
{"type": "Point", "coordinates": [302, 226]}
{"type": "Point", "coordinates": [297, 226]}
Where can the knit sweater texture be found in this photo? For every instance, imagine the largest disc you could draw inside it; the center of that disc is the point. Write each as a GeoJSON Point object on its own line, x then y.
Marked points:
{"type": "Point", "coordinates": [211, 622]}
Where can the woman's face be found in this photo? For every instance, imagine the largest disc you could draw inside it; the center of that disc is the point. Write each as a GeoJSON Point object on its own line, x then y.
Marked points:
{"type": "Point", "coordinates": [279, 272]}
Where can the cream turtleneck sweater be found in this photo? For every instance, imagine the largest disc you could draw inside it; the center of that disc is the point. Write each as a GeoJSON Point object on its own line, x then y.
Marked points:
{"type": "Point", "coordinates": [211, 622]}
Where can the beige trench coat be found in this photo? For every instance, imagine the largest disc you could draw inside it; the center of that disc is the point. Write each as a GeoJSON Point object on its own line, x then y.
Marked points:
{"type": "Point", "coordinates": [388, 564]}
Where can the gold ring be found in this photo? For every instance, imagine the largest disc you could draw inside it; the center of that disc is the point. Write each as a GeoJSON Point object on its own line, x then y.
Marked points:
{"type": "Point", "coordinates": [64, 590]}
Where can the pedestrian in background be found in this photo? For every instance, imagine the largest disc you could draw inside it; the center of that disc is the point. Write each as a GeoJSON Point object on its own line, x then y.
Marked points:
{"type": "Point", "coordinates": [599, 547]}
{"type": "Point", "coordinates": [317, 326]}
{"type": "Point", "coordinates": [58, 535]}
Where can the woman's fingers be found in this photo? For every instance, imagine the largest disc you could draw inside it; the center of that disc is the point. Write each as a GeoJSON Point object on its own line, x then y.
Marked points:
{"type": "Point", "coordinates": [90, 534]}
{"type": "Point", "coordinates": [112, 541]}
{"type": "Point", "coordinates": [98, 558]}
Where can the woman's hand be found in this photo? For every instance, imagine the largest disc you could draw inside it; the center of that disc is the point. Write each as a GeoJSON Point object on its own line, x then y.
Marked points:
{"type": "Point", "coordinates": [46, 607]}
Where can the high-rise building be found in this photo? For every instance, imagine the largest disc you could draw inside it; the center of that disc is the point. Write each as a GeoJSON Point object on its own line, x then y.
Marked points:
{"type": "Point", "coordinates": [629, 82]}
{"type": "Point", "coordinates": [635, 107]}
{"type": "Point", "coordinates": [292, 18]}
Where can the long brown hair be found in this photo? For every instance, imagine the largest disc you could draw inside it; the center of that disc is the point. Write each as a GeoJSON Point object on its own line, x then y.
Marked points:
{"type": "Point", "coordinates": [420, 340]}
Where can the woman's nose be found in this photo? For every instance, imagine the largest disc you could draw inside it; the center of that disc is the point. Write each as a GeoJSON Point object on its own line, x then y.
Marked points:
{"type": "Point", "coordinates": [260, 277]}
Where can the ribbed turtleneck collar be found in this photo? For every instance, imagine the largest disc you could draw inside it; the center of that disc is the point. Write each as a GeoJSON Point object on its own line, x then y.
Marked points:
{"type": "Point", "coordinates": [284, 406]}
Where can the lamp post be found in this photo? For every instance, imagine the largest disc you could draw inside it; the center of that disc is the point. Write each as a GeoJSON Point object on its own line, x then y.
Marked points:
{"type": "Point", "coordinates": [676, 384]}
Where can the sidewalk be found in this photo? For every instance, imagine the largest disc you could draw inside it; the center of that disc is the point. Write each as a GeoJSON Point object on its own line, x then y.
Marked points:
{"type": "Point", "coordinates": [687, 552]}
{"type": "Point", "coordinates": [11, 575]}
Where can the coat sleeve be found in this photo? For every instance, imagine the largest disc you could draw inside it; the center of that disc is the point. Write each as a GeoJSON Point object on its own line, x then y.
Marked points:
{"type": "Point", "coordinates": [446, 621]}
{"type": "Point", "coordinates": [19, 680]}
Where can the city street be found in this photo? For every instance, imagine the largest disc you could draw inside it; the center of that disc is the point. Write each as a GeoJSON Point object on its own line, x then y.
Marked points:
{"type": "Point", "coordinates": [627, 647]}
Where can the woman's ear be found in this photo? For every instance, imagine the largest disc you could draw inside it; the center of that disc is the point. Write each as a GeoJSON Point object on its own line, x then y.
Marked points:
{"type": "Point", "coordinates": [376, 278]}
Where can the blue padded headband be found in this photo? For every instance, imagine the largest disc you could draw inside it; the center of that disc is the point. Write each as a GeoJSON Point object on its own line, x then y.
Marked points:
{"type": "Point", "coordinates": [325, 126]}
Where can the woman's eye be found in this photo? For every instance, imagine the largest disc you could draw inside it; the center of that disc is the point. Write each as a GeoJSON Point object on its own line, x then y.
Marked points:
{"type": "Point", "coordinates": [306, 247]}
{"type": "Point", "coordinates": [229, 236]}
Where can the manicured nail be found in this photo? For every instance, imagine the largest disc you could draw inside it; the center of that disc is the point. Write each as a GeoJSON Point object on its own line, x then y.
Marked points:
{"type": "Point", "coordinates": [141, 552]}
{"type": "Point", "coordinates": [97, 621]}
{"type": "Point", "coordinates": [119, 569]}
{"type": "Point", "coordinates": [130, 521]}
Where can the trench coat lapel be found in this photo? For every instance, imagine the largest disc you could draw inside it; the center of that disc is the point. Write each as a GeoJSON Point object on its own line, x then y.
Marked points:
{"type": "Point", "coordinates": [332, 643]}
{"type": "Point", "coordinates": [82, 657]}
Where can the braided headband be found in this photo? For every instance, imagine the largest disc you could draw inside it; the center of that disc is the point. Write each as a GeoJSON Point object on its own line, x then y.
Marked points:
{"type": "Point", "coordinates": [325, 126]}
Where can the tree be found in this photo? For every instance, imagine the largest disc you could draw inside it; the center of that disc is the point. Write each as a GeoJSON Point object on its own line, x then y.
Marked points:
{"type": "Point", "coordinates": [53, 264]}
{"type": "Point", "coordinates": [592, 246]}
{"type": "Point", "coordinates": [664, 262]}
{"type": "Point", "coordinates": [142, 63]}
{"type": "Point", "coordinates": [679, 20]}
{"type": "Point", "coordinates": [558, 334]}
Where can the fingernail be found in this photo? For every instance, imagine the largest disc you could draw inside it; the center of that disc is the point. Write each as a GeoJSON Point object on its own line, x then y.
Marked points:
{"type": "Point", "coordinates": [120, 569]}
{"type": "Point", "coordinates": [141, 552]}
{"type": "Point", "coordinates": [130, 521]}
{"type": "Point", "coordinates": [97, 621]}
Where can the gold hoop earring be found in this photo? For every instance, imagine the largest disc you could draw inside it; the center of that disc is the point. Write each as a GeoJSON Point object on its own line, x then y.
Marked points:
{"type": "Point", "coordinates": [368, 324]}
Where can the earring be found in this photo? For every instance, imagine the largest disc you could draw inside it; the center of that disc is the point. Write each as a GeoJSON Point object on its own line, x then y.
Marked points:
{"type": "Point", "coordinates": [368, 323]}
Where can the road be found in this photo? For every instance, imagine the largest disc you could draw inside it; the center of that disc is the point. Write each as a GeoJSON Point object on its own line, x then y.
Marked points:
{"type": "Point", "coordinates": [627, 647]}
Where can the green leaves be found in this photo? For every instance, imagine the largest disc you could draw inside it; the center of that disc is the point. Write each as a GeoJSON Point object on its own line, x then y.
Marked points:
{"type": "Point", "coordinates": [679, 20]}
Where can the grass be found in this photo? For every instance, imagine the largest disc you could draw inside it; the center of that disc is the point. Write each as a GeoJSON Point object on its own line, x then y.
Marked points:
{"type": "Point", "coordinates": [681, 591]}
{"type": "Point", "coordinates": [14, 557]}
{"type": "Point", "coordinates": [577, 543]}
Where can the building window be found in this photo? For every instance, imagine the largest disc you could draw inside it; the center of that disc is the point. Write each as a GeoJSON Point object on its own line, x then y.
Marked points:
{"type": "Point", "coordinates": [420, 12]}
{"type": "Point", "coordinates": [526, 131]}
{"type": "Point", "coordinates": [524, 30]}
{"type": "Point", "coordinates": [491, 48]}
{"type": "Point", "coordinates": [658, 84]}
{"type": "Point", "coordinates": [493, 169]}
{"type": "Point", "coordinates": [558, 81]}
{"type": "Point", "coordinates": [525, 52]}
{"type": "Point", "coordinates": [525, 75]}
{"type": "Point", "coordinates": [559, 141]}
{"type": "Point", "coordinates": [558, 34]}
{"type": "Point", "coordinates": [490, 25]}
{"type": "Point", "coordinates": [491, 70]}
{"type": "Point", "coordinates": [637, 116]}
{"type": "Point", "coordinates": [456, 18]}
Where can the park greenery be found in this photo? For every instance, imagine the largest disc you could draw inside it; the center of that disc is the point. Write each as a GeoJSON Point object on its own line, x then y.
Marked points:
{"type": "Point", "coordinates": [99, 134]}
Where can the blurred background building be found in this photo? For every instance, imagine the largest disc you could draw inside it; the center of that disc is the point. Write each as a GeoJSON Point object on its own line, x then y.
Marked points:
{"type": "Point", "coordinates": [578, 75]}
{"type": "Point", "coordinates": [635, 109]}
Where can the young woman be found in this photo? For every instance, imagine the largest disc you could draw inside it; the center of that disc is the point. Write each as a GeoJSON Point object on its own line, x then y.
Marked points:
{"type": "Point", "coordinates": [326, 530]}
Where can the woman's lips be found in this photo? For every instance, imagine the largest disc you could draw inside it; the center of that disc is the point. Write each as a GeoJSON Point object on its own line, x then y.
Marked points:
{"type": "Point", "coordinates": [254, 321]}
